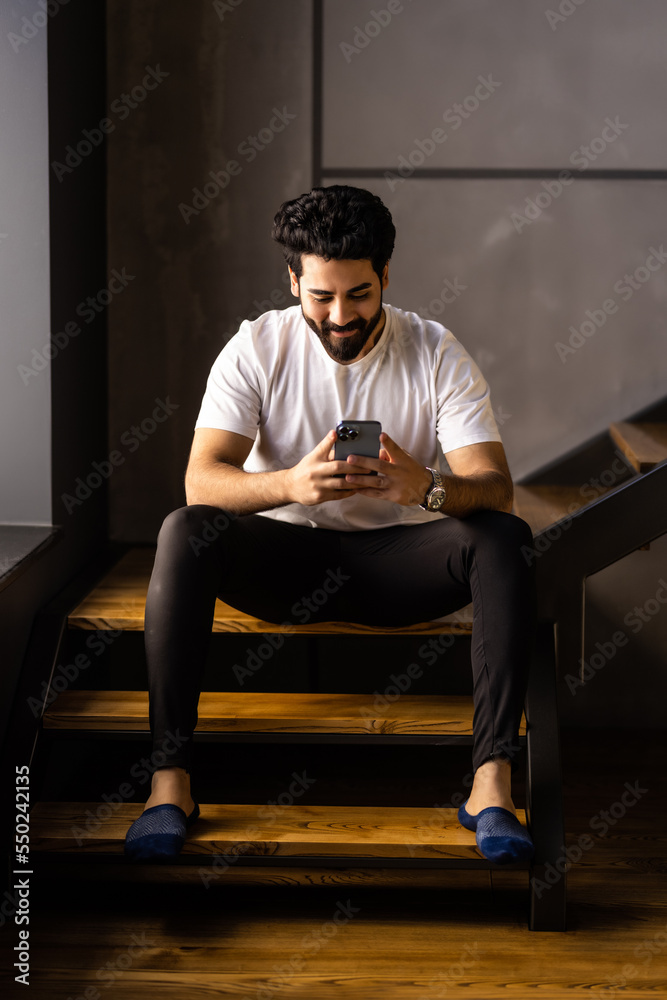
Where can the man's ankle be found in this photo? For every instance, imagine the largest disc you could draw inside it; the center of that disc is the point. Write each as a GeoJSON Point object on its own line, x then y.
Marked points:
{"type": "Point", "coordinates": [169, 774]}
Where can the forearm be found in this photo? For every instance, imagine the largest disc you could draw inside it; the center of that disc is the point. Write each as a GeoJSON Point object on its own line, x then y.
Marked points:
{"type": "Point", "coordinates": [481, 491]}
{"type": "Point", "coordinates": [222, 485]}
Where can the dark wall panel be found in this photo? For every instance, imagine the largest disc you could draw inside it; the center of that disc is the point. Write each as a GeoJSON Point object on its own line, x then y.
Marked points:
{"type": "Point", "coordinates": [236, 103]}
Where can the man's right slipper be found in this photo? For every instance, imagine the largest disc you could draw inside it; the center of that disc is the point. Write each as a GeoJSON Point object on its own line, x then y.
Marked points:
{"type": "Point", "coordinates": [159, 833]}
{"type": "Point", "coordinates": [500, 836]}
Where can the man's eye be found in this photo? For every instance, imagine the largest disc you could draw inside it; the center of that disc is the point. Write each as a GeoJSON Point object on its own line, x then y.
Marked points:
{"type": "Point", "coordinates": [355, 298]}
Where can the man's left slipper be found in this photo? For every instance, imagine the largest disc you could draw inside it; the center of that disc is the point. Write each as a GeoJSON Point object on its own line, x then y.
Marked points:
{"type": "Point", "coordinates": [159, 833]}
{"type": "Point", "coordinates": [500, 836]}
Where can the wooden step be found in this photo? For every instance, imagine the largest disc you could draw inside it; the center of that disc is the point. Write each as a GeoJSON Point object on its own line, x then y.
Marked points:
{"type": "Point", "coordinates": [259, 712]}
{"type": "Point", "coordinates": [293, 831]}
{"type": "Point", "coordinates": [542, 506]}
{"type": "Point", "coordinates": [644, 445]}
{"type": "Point", "coordinates": [119, 601]}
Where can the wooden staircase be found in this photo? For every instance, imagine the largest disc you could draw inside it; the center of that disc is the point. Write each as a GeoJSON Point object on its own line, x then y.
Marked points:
{"type": "Point", "coordinates": [301, 838]}
{"type": "Point", "coordinates": [306, 842]}
{"type": "Point", "coordinates": [580, 530]}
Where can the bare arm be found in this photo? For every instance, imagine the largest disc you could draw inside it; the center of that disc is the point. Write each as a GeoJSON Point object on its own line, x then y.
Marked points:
{"type": "Point", "coordinates": [480, 478]}
{"type": "Point", "coordinates": [215, 475]}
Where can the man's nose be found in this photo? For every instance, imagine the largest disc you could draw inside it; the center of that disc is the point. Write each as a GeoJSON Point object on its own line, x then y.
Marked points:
{"type": "Point", "coordinates": [341, 313]}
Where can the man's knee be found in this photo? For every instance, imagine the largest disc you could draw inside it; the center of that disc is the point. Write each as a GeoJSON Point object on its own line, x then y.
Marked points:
{"type": "Point", "coordinates": [197, 526]}
{"type": "Point", "coordinates": [498, 529]}
{"type": "Point", "coordinates": [499, 522]}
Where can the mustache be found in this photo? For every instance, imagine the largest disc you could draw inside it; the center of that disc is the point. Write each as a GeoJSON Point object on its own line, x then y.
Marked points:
{"type": "Point", "coordinates": [357, 325]}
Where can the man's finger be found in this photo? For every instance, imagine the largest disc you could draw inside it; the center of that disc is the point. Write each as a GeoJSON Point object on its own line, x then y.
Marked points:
{"type": "Point", "coordinates": [322, 449]}
{"type": "Point", "coordinates": [390, 446]}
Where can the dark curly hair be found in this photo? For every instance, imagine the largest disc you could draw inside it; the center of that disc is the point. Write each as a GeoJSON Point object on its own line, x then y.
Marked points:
{"type": "Point", "coordinates": [335, 223]}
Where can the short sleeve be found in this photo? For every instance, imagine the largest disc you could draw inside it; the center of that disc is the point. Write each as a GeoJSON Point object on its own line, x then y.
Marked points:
{"type": "Point", "coordinates": [464, 400]}
{"type": "Point", "coordinates": [232, 400]}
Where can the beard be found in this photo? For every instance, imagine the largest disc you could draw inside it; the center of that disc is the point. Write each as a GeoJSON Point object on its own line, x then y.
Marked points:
{"type": "Point", "coordinates": [348, 348]}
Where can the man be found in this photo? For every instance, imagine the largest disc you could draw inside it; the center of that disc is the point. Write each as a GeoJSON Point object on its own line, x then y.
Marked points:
{"type": "Point", "coordinates": [406, 545]}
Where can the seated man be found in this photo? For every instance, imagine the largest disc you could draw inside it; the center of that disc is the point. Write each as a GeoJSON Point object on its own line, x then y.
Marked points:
{"type": "Point", "coordinates": [407, 545]}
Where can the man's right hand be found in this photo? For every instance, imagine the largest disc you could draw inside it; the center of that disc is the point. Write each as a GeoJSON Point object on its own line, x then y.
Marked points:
{"type": "Point", "coordinates": [312, 481]}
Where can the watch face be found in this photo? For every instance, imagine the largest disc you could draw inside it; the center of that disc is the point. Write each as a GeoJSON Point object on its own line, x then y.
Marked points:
{"type": "Point", "coordinates": [436, 498]}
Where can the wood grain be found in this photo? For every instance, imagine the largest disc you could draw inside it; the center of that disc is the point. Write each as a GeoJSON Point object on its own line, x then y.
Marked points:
{"type": "Point", "coordinates": [291, 830]}
{"type": "Point", "coordinates": [260, 712]}
{"type": "Point", "coordinates": [119, 601]}
{"type": "Point", "coordinates": [462, 936]}
{"type": "Point", "coordinates": [541, 506]}
{"type": "Point", "coordinates": [643, 444]}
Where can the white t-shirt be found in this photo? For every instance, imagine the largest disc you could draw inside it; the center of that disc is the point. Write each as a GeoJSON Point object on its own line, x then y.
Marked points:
{"type": "Point", "coordinates": [274, 383]}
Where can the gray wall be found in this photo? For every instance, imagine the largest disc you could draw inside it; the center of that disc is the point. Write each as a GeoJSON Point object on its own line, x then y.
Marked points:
{"type": "Point", "coordinates": [526, 280]}
{"type": "Point", "coordinates": [25, 387]}
{"type": "Point", "coordinates": [548, 92]}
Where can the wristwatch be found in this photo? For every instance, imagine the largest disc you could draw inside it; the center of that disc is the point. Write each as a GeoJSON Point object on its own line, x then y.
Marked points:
{"type": "Point", "coordinates": [436, 495]}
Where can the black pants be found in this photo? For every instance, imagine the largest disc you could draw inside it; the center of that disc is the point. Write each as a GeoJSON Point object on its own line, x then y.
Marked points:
{"type": "Point", "coordinates": [285, 573]}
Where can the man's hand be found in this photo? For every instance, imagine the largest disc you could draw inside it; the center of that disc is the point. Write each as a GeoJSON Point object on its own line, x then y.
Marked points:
{"type": "Point", "coordinates": [481, 479]}
{"type": "Point", "coordinates": [312, 480]}
{"type": "Point", "coordinates": [401, 478]}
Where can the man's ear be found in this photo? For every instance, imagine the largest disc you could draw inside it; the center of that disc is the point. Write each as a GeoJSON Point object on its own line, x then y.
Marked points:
{"type": "Point", "coordinates": [294, 283]}
{"type": "Point", "coordinates": [385, 276]}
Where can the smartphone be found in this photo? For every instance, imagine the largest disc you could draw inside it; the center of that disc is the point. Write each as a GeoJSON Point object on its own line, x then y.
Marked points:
{"type": "Point", "coordinates": [357, 437]}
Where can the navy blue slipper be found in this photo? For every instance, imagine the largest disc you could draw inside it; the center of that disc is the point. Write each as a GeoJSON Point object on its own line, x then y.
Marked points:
{"type": "Point", "coordinates": [500, 836]}
{"type": "Point", "coordinates": [159, 833]}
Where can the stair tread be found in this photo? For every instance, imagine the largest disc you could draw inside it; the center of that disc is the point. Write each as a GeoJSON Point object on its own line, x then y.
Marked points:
{"type": "Point", "coordinates": [643, 444]}
{"type": "Point", "coordinates": [271, 712]}
{"type": "Point", "coordinates": [119, 601]}
{"type": "Point", "coordinates": [258, 829]}
{"type": "Point", "coordinates": [542, 505]}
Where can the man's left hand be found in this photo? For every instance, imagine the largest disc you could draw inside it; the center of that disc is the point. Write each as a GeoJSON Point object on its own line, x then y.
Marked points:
{"type": "Point", "coordinates": [400, 478]}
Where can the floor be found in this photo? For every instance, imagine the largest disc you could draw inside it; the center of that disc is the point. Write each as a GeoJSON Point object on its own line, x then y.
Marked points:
{"type": "Point", "coordinates": [417, 935]}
